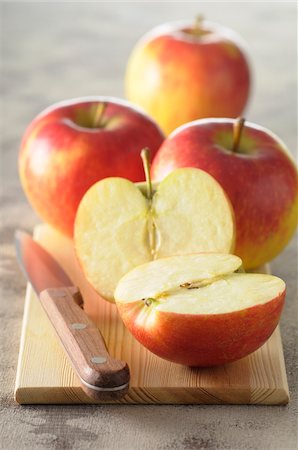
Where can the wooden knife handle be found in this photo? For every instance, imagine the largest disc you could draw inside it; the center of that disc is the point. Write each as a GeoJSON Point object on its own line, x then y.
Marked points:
{"type": "Point", "coordinates": [101, 376]}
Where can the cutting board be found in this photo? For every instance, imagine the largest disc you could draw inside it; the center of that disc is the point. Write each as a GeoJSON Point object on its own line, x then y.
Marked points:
{"type": "Point", "coordinates": [44, 375]}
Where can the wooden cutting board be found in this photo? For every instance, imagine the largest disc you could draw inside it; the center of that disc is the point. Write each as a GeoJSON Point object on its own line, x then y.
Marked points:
{"type": "Point", "coordinates": [44, 375]}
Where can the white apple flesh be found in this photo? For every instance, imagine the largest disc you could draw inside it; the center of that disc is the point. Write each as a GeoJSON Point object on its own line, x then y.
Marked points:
{"type": "Point", "coordinates": [198, 310]}
{"type": "Point", "coordinates": [118, 228]}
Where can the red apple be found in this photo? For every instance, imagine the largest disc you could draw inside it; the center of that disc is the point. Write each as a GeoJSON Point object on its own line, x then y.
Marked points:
{"type": "Point", "coordinates": [73, 144]}
{"type": "Point", "coordinates": [197, 310]}
{"type": "Point", "coordinates": [256, 172]}
{"type": "Point", "coordinates": [180, 72]}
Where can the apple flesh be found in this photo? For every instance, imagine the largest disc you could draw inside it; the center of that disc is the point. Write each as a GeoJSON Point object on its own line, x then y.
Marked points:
{"type": "Point", "coordinates": [257, 174]}
{"type": "Point", "coordinates": [197, 310]}
{"type": "Point", "coordinates": [118, 227]}
{"type": "Point", "coordinates": [73, 144]}
{"type": "Point", "coordinates": [189, 71]}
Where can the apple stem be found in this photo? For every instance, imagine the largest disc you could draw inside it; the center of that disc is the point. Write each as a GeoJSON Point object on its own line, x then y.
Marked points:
{"type": "Point", "coordinates": [98, 115]}
{"type": "Point", "coordinates": [145, 155]}
{"type": "Point", "coordinates": [237, 132]}
{"type": "Point", "coordinates": [198, 31]}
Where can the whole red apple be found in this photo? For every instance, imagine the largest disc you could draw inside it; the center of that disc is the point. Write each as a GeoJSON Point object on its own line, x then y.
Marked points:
{"type": "Point", "coordinates": [180, 72]}
{"type": "Point", "coordinates": [256, 172]}
{"type": "Point", "coordinates": [73, 144]}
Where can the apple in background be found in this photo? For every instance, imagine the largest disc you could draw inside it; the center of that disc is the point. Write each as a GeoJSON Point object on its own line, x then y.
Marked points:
{"type": "Point", "coordinates": [197, 310]}
{"type": "Point", "coordinates": [73, 144]}
{"type": "Point", "coordinates": [180, 72]}
{"type": "Point", "coordinates": [256, 172]}
{"type": "Point", "coordinates": [120, 225]}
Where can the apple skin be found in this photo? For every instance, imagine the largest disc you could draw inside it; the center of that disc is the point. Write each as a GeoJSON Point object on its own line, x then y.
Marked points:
{"type": "Point", "coordinates": [187, 77]}
{"type": "Point", "coordinates": [202, 340]}
{"type": "Point", "coordinates": [60, 159]}
{"type": "Point", "coordinates": [260, 180]}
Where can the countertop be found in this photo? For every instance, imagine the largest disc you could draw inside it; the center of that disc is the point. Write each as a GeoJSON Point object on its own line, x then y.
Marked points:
{"type": "Point", "coordinates": [55, 51]}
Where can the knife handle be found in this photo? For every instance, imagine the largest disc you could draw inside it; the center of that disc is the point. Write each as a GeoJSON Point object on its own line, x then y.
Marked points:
{"type": "Point", "coordinates": [101, 376]}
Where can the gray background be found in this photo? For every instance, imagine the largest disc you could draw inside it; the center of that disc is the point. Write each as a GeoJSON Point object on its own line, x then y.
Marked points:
{"type": "Point", "coordinates": [55, 51]}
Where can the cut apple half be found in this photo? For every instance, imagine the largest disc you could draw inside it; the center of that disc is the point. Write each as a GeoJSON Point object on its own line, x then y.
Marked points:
{"type": "Point", "coordinates": [120, 225]}
{"type": "Point", "coordinates": [198, 310]}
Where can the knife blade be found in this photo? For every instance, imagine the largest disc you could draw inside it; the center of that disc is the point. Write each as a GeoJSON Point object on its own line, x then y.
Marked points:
{"type": "Point", "coordinates": [101, 377]}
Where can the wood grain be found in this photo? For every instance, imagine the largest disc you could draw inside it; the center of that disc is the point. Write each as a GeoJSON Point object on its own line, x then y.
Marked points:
{"type": "Point", "coordinates": [45, 376]}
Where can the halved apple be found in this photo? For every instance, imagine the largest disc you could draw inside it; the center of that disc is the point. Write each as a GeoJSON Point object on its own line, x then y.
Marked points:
{"type": "Point", "coordinates": [197, 310]}
{"type": "Point", "coordinates": [120, 225]}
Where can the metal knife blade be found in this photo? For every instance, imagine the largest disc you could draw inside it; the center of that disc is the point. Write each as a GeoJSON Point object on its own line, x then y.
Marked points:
{"type": "Point", "coordinates": [101, 376]}
{"type": "Point", "coordinates": [38, 266]}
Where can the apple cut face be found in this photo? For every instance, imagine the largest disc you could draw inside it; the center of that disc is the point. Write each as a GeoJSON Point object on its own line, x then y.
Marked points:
{"type": "Point", "coordinates": [111, 232]}
{"type": "Point", "coordinates": [166, 274]}
{"type": "Point", "coordinates": [197, 310]}
{"type": "Point", "coordinates": [192, 214]}
{"type": "Point", "coordinates": [118, 228]}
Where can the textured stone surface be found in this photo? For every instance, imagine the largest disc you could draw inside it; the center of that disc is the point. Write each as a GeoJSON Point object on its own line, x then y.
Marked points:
{"type": "Point", "coordinates": [61, 50]}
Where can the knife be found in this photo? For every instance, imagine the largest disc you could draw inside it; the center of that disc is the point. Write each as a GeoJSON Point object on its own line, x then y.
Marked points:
{"type": "Point", "coordinates": [101, 377]}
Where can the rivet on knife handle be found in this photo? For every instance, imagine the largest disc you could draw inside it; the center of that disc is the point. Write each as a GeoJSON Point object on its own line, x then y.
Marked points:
{"type": "Point", "coordinates": [84, 344]}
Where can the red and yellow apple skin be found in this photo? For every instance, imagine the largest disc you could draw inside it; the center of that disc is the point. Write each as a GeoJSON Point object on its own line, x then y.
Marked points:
{"type": "Point", "coordinates": [202, 340]}
{"type": "Point", "coordinates": [62, 154]}
{"type": "Point", "coordinates": [260, 180]}
{"type": "Point", "coordinates": [177, 76]}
